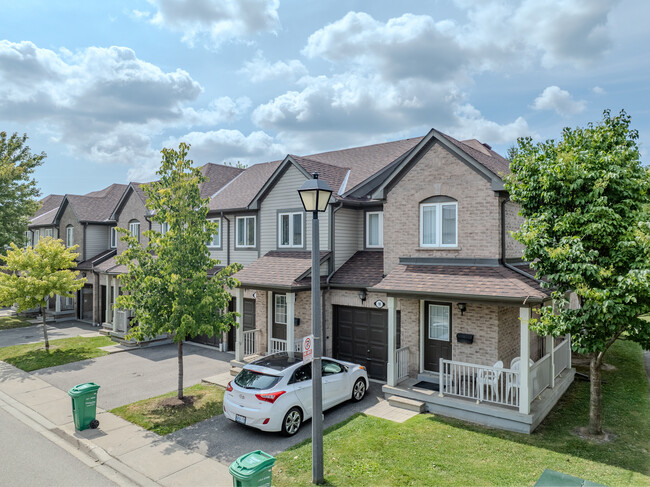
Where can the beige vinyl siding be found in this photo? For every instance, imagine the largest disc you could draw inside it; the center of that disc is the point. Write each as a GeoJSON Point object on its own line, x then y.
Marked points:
{"type": "Point", "coordinates": [284, 196]}
{"type": "Point", "coordinates": [97, 239]}
{"type": "Point", "coordinates": [348, 234]}
{"type": "Point", "coordinates": [221, 253]}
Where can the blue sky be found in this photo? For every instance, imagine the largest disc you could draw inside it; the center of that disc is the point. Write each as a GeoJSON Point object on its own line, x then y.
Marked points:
{"type": "Point", "coordinates": [101, 87]}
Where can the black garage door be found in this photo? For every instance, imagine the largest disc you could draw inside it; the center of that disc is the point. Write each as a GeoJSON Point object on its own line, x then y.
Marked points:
{"type": "Point", "coordinates": [361, 336]}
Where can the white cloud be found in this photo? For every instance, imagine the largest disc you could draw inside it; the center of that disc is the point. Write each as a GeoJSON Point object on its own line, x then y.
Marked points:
{"type": "Point", "coordinates": [104, 104]}
{"type": "Point", "coordinates": [259, 69]}
{"type": "Point", "coordinates": [214, 22]}
{"type": "Point", "coordinates": [598, 90]}
{"type": "Point", "coordinates": [560, 101]}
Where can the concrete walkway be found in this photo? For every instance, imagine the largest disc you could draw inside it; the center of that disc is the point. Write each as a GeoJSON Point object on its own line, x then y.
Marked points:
{"type": "Point", "coordinates": [34, 334]}
{"type": "Point", "coordinates": [133, 455]}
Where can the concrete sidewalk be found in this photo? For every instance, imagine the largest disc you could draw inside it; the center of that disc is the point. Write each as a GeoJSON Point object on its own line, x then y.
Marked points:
{"type": "Point", "coordinates": [139, 457]}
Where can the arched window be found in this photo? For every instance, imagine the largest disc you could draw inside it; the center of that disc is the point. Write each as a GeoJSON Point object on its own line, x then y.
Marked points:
{"type": "Point", "coordinates": [69, 236]}
{"type": "Point", "coordinates": [439, 222]}
{"type": "Point", "coordinates": [134, 229]}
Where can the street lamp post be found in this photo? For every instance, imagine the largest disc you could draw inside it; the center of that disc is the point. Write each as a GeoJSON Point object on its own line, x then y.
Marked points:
{"type": "Point", "coordinates": [315, 195]}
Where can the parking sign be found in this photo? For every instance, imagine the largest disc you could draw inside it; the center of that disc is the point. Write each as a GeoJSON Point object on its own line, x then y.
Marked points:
{"type": "Point", "coordinates": [307, 348]}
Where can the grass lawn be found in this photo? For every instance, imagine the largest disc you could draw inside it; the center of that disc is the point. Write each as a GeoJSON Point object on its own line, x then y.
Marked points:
{"type": "Point", "coordinates": [432, 450]}
{"type": "Point", "coordinates": [163, 414]}
{"type": "Point", "coordinates": [33, 356]}
{"type": "Point", "coordinates": [7, 322]}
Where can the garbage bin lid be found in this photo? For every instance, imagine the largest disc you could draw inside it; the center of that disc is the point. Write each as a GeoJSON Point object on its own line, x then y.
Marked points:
{"type": "Point", "coordinates": [85, 388]}
{"type": "Point", "coordinates": [251, 464]}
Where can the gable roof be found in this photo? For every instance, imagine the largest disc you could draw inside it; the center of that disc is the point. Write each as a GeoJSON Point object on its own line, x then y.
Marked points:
{"type": "Point", "coordinates": [94, 207]}
{"type": "Point", "coordinates": [219, 175]}
{"type": "Point", "coordinates": [240, 191]}
{"type": "Point", "coordinates": [47, 212]}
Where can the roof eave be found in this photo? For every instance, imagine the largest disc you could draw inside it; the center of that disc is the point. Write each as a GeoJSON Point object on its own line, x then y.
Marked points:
{"type": "Point", "coordinates": [521, 300]}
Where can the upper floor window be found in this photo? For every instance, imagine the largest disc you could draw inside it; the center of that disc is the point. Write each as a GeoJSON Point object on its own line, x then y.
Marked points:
{"type": "Point", "coordinates": [37, 236]}
{"type": "Point", "coordinates": [439, 222]}
{"type": "Point", "coordinates": [134, 229]}
{"type": "Point", "coordinates": [28, 238]}
{"type": "Point", "coordinates": [375, 229]}
{"type": "Point", "coordinates": [113, 233]}
{"type": "Point", "coordinates": [290, 229]}
{"type": "Point", "coordinates": [164, 228]}
{"type": "Point", "coordinates": [215, 241]}
{"type": "Point", "coordinates": [47, 232]}
{"type": "Point", "coordinates": [69, 236]}
{"type": "Point", "coordinates": [246, 231]}
{"type": "Point", "coordinates": [281, 308]}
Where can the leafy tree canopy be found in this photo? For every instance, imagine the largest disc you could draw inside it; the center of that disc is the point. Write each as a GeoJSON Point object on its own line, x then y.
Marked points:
{"type": "Point", "coordinates": [18, 190]}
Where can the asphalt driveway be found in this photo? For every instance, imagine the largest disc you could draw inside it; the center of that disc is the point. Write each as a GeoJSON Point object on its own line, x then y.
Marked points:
{"type": "Point", "coordinates": [34, 334]}
{"type": "Point", "coordinates": [130, 376]}
{"type": "Point", "coordinates": [226, 441]}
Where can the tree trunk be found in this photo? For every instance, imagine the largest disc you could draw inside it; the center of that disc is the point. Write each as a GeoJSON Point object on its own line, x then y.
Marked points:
{"type": "Point", "coordinates": [595, 397]}
{"type": "Point", "coordinates": [47, 342]}
{"type": "Point", "coordinates": [180, 369]}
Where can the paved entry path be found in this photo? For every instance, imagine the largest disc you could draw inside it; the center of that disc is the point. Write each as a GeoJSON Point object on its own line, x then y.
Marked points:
{"type": "Point", "coordinates": [34, 334]}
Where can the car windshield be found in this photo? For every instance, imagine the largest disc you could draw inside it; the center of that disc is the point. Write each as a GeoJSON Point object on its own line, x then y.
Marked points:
{"type": "Point", "coordinates": [251, 379]}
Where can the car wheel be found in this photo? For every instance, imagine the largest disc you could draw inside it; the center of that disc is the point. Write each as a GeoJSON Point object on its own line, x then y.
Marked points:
{"type": "Point", "coordinates": [359, 390]}
{"type": "Point", "coordinates": [291, 422]}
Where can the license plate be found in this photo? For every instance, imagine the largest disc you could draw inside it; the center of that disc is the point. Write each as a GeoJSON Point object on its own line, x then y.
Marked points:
{"type": "Point", "coordinates": [240, 419]}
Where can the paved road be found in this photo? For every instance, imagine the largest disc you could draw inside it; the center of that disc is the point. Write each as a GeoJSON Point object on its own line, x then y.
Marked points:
{"type": "Point", "coordinates": [30, 459]}
{"type": "Point", "coordinates": [226, 441]}
{"type": "Point", "coordinates": [34, 334]}
{"type": "Point", "coordinates": [130, 376]}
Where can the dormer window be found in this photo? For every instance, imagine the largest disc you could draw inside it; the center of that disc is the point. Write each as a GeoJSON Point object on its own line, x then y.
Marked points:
{"type": "Point", "coordinates": [439, 222]}
{"type": "Point", "coordinates": [375, 229]}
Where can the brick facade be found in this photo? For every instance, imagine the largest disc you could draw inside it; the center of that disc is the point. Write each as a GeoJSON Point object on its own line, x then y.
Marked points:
{"type": "Point", "coordinates": [440, 173]}
{"type": "Point", "coordinates": [513, 222]}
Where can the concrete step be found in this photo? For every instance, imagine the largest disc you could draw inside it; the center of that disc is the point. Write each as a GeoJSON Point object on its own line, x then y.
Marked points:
{"type": "Point", "coordinates": [405, 403]}
{"type": "Point", "coordinates": [235, 370]}
{"type": "Point", "coordinates": [219, 379]}
{"type": "Point", "coordinates": [104, 331]}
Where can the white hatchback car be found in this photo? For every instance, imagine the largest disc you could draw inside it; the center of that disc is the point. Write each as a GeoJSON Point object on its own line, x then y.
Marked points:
{"type": "Point", "coordinates": [274, 393]}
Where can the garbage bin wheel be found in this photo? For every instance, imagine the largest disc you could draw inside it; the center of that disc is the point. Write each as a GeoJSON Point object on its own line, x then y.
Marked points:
{"type": "Point", "coordinates": [292, 421]}
{"type": "Point", "coordinates": [359, 390]}
{"type": "Point", "coordinates": [93, 424]}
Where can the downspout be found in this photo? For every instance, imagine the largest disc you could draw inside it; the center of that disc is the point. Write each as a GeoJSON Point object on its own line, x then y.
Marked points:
{"type": "Point", "coordinates": [224, 217]}
{"type": "Point", "coordinates": [504, 262]}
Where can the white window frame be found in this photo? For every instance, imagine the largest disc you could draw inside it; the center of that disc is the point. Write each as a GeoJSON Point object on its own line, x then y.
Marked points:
{"type": "Point", "coordinates": [281, 305]}
{"type": "Point", "coordinates": [292, 244]}
{"type": "Point", "coordinates": [211, 243]}
{"type": "Point", "coordinates": [112, 237]}
{"type": "Point", "coordinates": [28, 238]}
{"type": "Point", "coordinates": [69, 236]}
{"type": "Point", "coordinates": [132, 229]}
{"type": "Point", "coordinates": [430, 314]}
{"type": "Point", "coordinates": [37, 237]}
{"type": "Point", "coordinates": [438, 229]}
{"type": "Point", "coordinates": [47, 232]}
{"type": "Point", "coordinates": [164, 228]}
{"type": "Point", "coordinates": [381, 230]}
{"type": "Point", "coordinates": [246, 246]}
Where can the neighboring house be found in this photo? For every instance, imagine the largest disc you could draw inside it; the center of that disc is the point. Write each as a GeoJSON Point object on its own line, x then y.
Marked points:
{"type": "Point", "coordinates": [131, 213]}
{"type": "Point", "coordinates": [84, 220]}
{"type": "Point", "coordinates": [419, 277]}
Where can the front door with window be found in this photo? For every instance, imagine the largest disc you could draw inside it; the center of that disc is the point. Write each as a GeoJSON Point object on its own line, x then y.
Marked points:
{"type": "Point", "coordinates": [437, 335]}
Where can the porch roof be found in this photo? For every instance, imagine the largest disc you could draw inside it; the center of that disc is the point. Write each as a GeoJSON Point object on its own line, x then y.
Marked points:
{"type": "Point", "coordinates": [279, 270]}
{"type": "Point", "coordinates": [485, 283]}
{"type": "Point", "coordinates": [365, 268]}
{"type": "Point", "coordinates": [93, 262]}
{"type": "Point", "coordinates": [110, 266]}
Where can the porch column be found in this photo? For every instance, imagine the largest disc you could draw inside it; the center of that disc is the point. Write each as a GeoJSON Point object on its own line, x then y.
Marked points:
{"type": "Point", "coordinates": [109, 311]}
{"type": "Point", "coordinates": [391, 366]}
{"type": "Point", "coordinates": [269, 321]}
{"type": "Point", "coordinates": [57, 304]}
{"type": "Point", "coordinates": [239, 333]}
{"type": "Point", "coordinates": [291, 298]}
{"type": "Point", "coordinates": [524, 366]}
{"type": "Point", "coordinates": [115, 291]}
{"type": "Point", "coordinates": [549, 349]}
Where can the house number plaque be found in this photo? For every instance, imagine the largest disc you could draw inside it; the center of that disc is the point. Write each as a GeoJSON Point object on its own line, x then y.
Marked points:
{"type": "Point", "coordinates": [379, 303]}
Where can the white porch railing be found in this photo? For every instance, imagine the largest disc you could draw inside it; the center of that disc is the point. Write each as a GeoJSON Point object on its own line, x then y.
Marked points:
{"type": "Point", "coordinates": [297, 345]}
{"type": "Point", "coordinates": [250, 346]}
{"type": "Point", "coordinates": [479, 382]}
{"type": "Point", "coordinates": [402, 363]}
{"type": "Point", "coordinates": [562, 354]}
{"type": "Point", "coordinates": [278, 345]}
{"type": "Point", "coordinates": [540, 376]}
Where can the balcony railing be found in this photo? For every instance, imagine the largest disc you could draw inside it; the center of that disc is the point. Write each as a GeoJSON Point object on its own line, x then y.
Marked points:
{"type": "Point", "coordinates": [479, 382]}
{"type": "Point", "coordinates": [250, 343]}
{"type": "Point", "coordinates": [278, 345]}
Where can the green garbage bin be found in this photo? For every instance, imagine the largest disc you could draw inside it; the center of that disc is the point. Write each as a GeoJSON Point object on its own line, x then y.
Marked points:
{"type": "Point", "coordinates": [252, 470]}
{"type": "Point", "coordinates": [84, 405]}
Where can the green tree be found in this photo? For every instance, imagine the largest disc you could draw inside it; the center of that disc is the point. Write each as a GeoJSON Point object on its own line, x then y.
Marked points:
{"type": "Point", "coordinates": [587, 231]}
{"type": "Point", "coordinates": [31, 275]}
{"type": "Point", "coordinates": [18, 190]}
{"type": "Point", "coordinates": [167, 284]}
